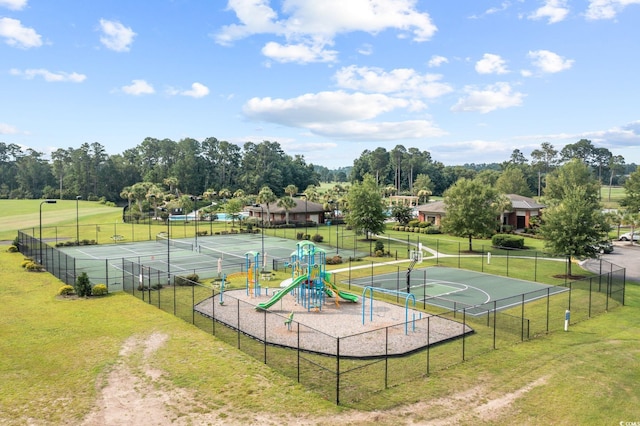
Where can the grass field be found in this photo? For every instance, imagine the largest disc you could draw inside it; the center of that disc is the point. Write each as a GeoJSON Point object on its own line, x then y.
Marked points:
{"type": "Point", "coordinates": [57, 355]}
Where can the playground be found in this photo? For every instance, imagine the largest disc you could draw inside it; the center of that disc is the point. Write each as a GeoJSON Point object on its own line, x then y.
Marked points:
{"type": "Point", "coordinates": [309, 313]}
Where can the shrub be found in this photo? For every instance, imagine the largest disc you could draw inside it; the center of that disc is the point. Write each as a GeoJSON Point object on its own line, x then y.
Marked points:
{"type": "Point", "coordinates": [83, 285]}
{"type": "Point", "coordinates": [433, 230]}
{"type": "Point", "coordinates": [33, 267]}
{"type": "Point", "coordinates": [413, 223]}
{"type": "Point", "coordinates": [335, 260]}
{"type": "Point", "coordinates": [379, 246]}
{"type": "Point", "coordinates": [379, 253]}
{"type": "Point", "coordinates": [65, 290]}
{"type": "Point", "coordinates": [299, 235]}
{"type": "Point", "coordinates": [425, 224]}
{"type": "Point", "coordinates": [26, 261]}
{"type": "Point", "coordinates": [508, 241]}
{"type": "Point", "coordinates": [188, 280]}
{"type": "Point", "coordinates": [317, 238]}
{"type": "Point", "coordinates": [99, 290]}
{"type": "Point", "coordinates": [12, 249]}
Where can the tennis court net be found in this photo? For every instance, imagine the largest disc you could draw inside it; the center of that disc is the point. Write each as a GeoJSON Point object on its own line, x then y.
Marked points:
{"type": "Point", "coordinates": [218, 254]}
{"type": "Point", "coordinates": [174, 243]}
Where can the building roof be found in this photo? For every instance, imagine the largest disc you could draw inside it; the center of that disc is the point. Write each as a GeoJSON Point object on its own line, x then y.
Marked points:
{"type": "Point", "coordinates": [432, 207]}
{"type": "Point", "coordinates": [518, 202]}
{"type": "Point", "coordinates": [300, 207]}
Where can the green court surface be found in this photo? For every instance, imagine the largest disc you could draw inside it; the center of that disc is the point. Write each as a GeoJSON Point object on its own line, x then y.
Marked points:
{"type": "Point", "coordinates": [206, 256]}
{"type": "Point", "coordinates": [458, 288]}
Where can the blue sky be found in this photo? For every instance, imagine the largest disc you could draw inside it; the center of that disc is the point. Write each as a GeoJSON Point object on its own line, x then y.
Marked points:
{"type": "Point", "coordinates": [468, 81]}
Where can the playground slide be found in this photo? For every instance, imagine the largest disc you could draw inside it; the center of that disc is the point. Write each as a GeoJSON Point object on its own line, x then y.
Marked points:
{"type": "Point", "coordinates": [279, 295]}
{"type": "Point", "coordinates": [332, 288]}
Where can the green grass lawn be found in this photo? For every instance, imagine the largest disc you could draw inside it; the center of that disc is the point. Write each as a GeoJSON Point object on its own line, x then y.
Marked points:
{"type": "Point", "coordinates": [56, 352]}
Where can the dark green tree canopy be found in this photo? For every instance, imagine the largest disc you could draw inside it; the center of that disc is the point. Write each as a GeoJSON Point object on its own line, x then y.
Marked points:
{"type": "Point", "coordinates": [366, 211]}
{"type": "Point", "coordinates": [472, 209]}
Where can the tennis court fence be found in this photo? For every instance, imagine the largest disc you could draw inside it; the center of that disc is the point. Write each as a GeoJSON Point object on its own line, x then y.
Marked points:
{"type": "Point", "coordinates": [351, 379]}
{"type": "Point", "coordinates": [348, 379]}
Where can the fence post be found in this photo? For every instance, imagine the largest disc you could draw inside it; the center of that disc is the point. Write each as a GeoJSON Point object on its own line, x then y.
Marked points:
{"type": "Point", "coordinates": [495, 320]}
{"type": "Point", "coordinates": [337, 369]}
{"type": "Point", "coordinates": [464, 328]}
{"type": "Point", "coordinates": [428, 343]}
{"type": "Point", "coordinates": [522, 321]}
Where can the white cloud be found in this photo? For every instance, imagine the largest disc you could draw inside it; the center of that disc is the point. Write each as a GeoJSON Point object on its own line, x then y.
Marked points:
{"type": "Point", "coordinates": [13, 4]}
{"type": "Point", "coordinates": [554, 10]}
{"type": "Point", "coordinates": [378, 131]}
{"type": "Point", "coordinates": [549, 62]}
{"type": "Point", "coordinates": [323, 107]}
{"type": "Point", "coordinates": [491, 64]}
{"type": "Point", "coordinates": [366, 49]}
{"type": "Point", "coordinates": [341, 115]}
{"type": "Point", "coordinates": [49, 76]}
{"type": "Point", "coordinates": [436, 61]}
{"type": "Point", "coordinates": [617, 137]}
{"type": "Point", "coordinates": [116, 36]}
{"type": "Point", "coordinates": [503, 6]}
{"type": "Point", "coordinates": [138, 87]}
{"type": "Point", "coordinates": [18, 36]}
{"type": "Point", "coordinates": [607, 9]}
{"type": "Point", "coordinates": [198, 90]}
{"type": "Point", "coordinates": [315, 24]}
{"type": "Point", "coordinates": [299, 53]}
{"type": "Point", "coordinates": [7, 129]}
{"type": "Point", "coordinates": [401, 81]}
{"type": "Point", "coordinates": [496, 96]}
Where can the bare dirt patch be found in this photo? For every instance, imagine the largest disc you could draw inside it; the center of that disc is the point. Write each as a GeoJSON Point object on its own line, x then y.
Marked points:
{"type": "Point", "coordinates": [133, 393]}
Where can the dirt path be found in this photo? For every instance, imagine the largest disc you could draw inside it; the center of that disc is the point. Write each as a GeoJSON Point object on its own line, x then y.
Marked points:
{"type": "Point", "coordinates": [132, 393]}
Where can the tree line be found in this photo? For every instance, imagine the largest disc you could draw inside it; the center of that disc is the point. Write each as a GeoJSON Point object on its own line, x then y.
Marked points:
{"type": "Point", "coordinates": [214, 165]}
{"type": "Point", "coordinates": [198, 167]}
{"type": "Point", "coordinates": [408, 171]}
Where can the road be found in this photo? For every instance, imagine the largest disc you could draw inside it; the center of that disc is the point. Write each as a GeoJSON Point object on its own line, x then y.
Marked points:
{"type": "Point", "coordinates": [624, 255]}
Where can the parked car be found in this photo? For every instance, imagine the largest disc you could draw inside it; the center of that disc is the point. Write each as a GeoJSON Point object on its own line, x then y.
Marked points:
{"type": "Point", "coordinates": [628, 237]}
{"type": "Point", "coordinates": [604, 247]}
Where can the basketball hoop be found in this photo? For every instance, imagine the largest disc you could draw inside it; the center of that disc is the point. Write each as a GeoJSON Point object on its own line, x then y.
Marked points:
{"type": "Point", "coordinates": [416, 255]}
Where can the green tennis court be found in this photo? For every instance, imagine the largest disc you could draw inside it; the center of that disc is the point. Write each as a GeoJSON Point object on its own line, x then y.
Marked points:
{"type": "Point", "coordinates": [458, 288]}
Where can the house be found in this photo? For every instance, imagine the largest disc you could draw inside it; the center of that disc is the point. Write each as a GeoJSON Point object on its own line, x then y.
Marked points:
{"type": "Point", "coordinates": [303, 212]}
{"type": "Point", "coordinates": [519, 216]}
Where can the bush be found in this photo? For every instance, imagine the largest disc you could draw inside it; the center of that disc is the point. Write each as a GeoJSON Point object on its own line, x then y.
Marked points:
{"type": "Point", "coordinates": [299, 235]}
{"type": "Point", "coordinates": [507, 241]}
{"type": "Point", "coordinates": [12, 249]}
{"type": "Point", "coordinates": [26, 261]}
{"type": "Point", "coordinates": [413, 223]}
{"type": "Point", "coordinates": [379, 246]}
{"type": "Point", "coordinates": [335, 260]}
{"type": "Point", "coordinates": [99, 290]}
{"type": "Point", "coordinates": [33, 267]}
{"type": "Point", "coordinates": [65, 290]}
{"type": "Point", "coordinates": [317, 238]}
{"type": "Point", "coordinates": [188, 280]}
{"type": "Point", "coordinates": [83, 285]}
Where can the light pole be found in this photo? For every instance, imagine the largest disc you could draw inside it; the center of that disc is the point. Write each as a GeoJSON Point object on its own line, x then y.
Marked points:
{"type": "Point", "coordinates": [337, 228]}
{"type": "Point", "coordinates": [44, 202]}
{"type": "Point", "coordinates": [149, 217]}
{"type": "Point", "coordinates": [78, 197]}
{"type": "Point", "coordinates": [195, 216]}
{"type": "Point", "coordinates": [261, 233]}
{"type": "Point", "coordinates": [168, 245]}
{"type": "Point", "coordinates": [306, 232]}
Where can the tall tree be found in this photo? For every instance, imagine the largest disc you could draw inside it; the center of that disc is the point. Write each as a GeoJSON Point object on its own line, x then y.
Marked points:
{"type": "Point", "coordinates": [631, 200]}
{"type": "Point", "coordinates": [544, 159]}
{"type": "Point", "coordinates": [472, 210]}
{"type": "Point", "coordinates": [512, 181]}
{"type": "Point", "coordinates": [287, 203]}
{"type": "Point", "coordinates": [366, 208]}
{"type": "Point", "coordinates": [575, 225]}
{"type": "Point", "coordinates": [266, 197]}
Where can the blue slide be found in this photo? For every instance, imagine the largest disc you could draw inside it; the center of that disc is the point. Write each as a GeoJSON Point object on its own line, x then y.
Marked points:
{"type": "Point", "coordinates": [279, 295]}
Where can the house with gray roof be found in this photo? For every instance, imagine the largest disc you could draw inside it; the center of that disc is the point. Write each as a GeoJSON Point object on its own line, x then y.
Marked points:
{"type": "Point", "coordinates": [519, 216]}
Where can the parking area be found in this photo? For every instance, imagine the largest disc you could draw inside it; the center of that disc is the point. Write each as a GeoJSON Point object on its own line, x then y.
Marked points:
{"type": "Point", "coordinates": [624, 255]}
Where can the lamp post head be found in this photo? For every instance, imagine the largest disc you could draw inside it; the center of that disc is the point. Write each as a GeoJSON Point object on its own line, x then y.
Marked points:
{"type": "Point", "coordinates": [78, 197]}
{"type": "Point", "coordinates": [50, 201]}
